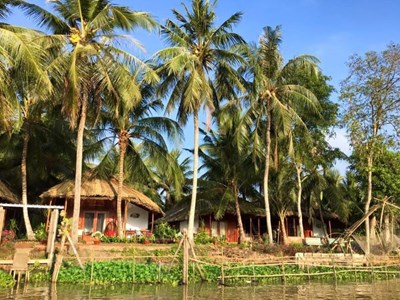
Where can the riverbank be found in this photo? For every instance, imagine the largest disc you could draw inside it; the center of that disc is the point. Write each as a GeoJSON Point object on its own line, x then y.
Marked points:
{"type": "Point", "coordinates": [110, 264]}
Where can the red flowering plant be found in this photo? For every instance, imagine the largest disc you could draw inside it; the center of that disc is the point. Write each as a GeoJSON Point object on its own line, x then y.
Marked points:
{"type": "Point", "coordinates": [7, 235]}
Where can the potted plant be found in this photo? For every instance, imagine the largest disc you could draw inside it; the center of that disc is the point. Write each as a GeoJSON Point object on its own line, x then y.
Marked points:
{"type": "Point", "coordinates": [96, 236]}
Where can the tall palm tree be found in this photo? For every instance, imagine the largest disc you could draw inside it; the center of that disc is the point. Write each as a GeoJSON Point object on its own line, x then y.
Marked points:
{"type": "Point", "coordinates": [18, 49]}
{"type": "Point", "coordinates": [226, 161]}
{"type": "Point", "coordinates": [24, 60]}
{"type": "Point", "coordinates": [200, 53]}
{"type": "Point", "coordinates": [275, 100]}
{"type": "Point", "coordinates": [91, 65]}
{"type": "Point", "coordinates": [139, 137]}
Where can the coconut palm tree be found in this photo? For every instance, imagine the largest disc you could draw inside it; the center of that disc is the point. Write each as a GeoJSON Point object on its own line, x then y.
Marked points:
{"type": "Point", "coordinates": [200, 55]}
{"type": "Point", "coordinates": [275, 100]}
{"type": "Point", "coordinates": [18, 50]}
{"type": "Point", "coordinates": [226, 161]}
{"type": "Point", "coordinates": [140, 137]}
{"type": "Point", "coordinates": [91, 65]}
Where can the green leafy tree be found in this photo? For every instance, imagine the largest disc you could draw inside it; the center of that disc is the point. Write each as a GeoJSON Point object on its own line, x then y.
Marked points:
{"type": "Point", "coordinates": [275, 100]}
{"type": "Point", "coordinates": [198, 68]}
{"type": "Point", "coordinates": [226, 161]}
{"type": "Point", "coordinates": [370, 97]}
{"type": "Point", "coordinates": [140, 136]}
{"type": "Point", "coordinates": [90, 65]}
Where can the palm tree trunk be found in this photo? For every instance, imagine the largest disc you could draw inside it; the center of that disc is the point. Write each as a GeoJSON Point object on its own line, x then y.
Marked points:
{"type": "Point", "coordinates": [195, 167]}
{"type": "Point", "coordinates": [321, 215]}
{"type": "Point", "coordinates": [367, 206]}
{"type": "Point", "coordinates": [29, 232]}
{"type": "Point", "coordinates": [242, 236]}
{"type": "Point", "coordinates": [299, 192]}
{"type": "Point", "coordinates": [283, 228]}
{"type": "Point", "coordinates": [266, 178]}
{"type": "Point", "coordinates": [276, 152]}
{"type": "Point", "coordinates": [78, 171]}
{"type": "Point", "coordinates": [123, 141]}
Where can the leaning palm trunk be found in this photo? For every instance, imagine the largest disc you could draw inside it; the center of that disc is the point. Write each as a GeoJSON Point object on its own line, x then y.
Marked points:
{"type": "Point", "coordinates": [195, 167]}
{"type": "Point", "coordinates": [299, 192]}
{"type": "Point", "coordinates": [123, 141]}
{"type": "Point", "coordinates": [321, 215]}
{"type": "Point", "coordinates": [242, 236]}
{"type": "Point", "coordinates": [29, 232]}
{"type": "Point", "coordinates": [266, 178]}
{"type": "Point", "coordinates": [283, 228]}
{"type": "Point", "coordinates": [78, 170]}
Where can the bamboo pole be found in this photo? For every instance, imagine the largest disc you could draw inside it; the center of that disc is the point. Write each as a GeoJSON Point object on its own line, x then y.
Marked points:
{"type": "Point", "coordinates": [91, 272]}
{"type": "Point", "coordinates": [185, 273]}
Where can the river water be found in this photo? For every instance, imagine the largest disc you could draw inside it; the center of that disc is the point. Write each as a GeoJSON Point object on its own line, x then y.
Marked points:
{"type": "Point", "coordinates": [386, 290]}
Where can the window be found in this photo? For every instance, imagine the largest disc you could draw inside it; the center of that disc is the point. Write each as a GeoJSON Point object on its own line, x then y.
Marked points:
{"type": "Point", "coordinates": [94, 221]}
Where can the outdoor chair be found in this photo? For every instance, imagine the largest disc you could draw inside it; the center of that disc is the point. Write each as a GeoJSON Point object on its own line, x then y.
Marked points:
{"type": "Point", "coordinates": [20, 265]}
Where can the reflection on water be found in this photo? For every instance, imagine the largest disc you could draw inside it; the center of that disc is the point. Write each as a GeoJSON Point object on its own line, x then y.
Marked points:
{"type": "Point", "coordinates": [362, 290]}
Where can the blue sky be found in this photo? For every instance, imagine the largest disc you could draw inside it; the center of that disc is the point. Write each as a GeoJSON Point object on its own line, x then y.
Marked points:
{"type": "Point", "coordinates": [331, 30]}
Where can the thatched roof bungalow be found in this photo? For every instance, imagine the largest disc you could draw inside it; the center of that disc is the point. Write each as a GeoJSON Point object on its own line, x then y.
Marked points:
{"type": "Point", "coordinates": [218, 221]}
{"type": "Point", "coordinates": [6, 195]}
{"type": "Point", "coordinates": [99, 205]}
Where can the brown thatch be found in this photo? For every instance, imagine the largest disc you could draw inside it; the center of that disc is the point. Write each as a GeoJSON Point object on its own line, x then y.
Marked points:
{"type": "Point", "coordinates": [7, 195]}
{"type": "Point", "coordinates": [101, 189]}
{"type": "Point", "coordinates": [180, 211]}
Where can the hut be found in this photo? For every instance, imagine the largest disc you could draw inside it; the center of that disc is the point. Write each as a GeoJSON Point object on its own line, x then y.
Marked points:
{"type": "Point", "coordinates": [331, 226]}
{"type": "Point", "coordinates": [6, 197]}
{"type": "Point", "coordinates": [98, 211]}
{"type": "Point", "coordinates": [218, 222]}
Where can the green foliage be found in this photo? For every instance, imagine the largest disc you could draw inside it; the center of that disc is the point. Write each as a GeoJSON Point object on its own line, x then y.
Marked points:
{"type": "Point", "coordinates": [6, 279]}
{"type": "Point", "coordinates": [40, 232]}
{"type": "Point", "coordinates": [202, 237]}
{"type": "Point", "coordinates": [118, 272]}
{"type": "Point", "coordinates": [165, 231]}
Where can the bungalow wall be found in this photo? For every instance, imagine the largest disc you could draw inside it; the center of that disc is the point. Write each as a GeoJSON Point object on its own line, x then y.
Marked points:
{"type": "Point", "coordinates": [95, 215]}
{"type": "Point", "coordinates": [226, 227]}
{"type": "Point", "coordinates": [313, 229]}
{"type": "Point", "coordinates": [137, 218]}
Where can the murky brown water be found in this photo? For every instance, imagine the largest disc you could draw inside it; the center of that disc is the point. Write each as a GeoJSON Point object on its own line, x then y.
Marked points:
{"type": "Point", "coordinates": [362, 290]}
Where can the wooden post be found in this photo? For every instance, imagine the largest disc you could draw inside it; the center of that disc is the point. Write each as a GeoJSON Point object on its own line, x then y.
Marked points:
{"type": "Point", "coordinates": [134, 267]}
{"type": "Point", "coordinates": [66, 206]}
{"type": "Point", "coordinates": [259, 228]}
{"type": "Point", "coordinates": [330, 228]}
{"type": "Point", "coordinates": [125, 218]}
{"type": "Point", "coordinates": [222, 275]}
{"type": "Point", "coordinates": [59, 258]}
{"type": "Point", "coordinates": [52, 233]}
{"type": "Point", "coordinates": [283, 273]}
{"type": "Point", "coordinates": [185, 269]}
{"type": "Point", "coordinates": [91, 271]}
{"type": "Point", "coordinates": [2, 219]}
{"type": "Point", "coordinates": [48, 216]}
{"type": "Point", "coordinates": [334, 272]}
{"type": "Point", "coordinates": [152, 222]}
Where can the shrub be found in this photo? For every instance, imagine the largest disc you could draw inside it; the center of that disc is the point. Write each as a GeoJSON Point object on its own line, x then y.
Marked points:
{"type": "Point", "coordinates": [165, 231]}
{"type": "Point", "coordinates": [40, 232]}
{"type": "Point", "coordinates": [202, 237]}
{"type": "Point", "coordinates": [6, 279]}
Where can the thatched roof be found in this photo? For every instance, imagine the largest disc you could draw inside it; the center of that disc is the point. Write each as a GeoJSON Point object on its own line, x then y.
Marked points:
{"type": "Point", "coordinates": [101, 189]}
{"type": "Point", "coordinates": [180, 211]}
{"type": "Point", "coordinates": [7, 195]}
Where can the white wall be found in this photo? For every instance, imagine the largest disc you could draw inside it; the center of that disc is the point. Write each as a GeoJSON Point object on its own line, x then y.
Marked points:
{"type": "Point", "coordinates": [318, 229]}
{"type": "Point", "coordinates": [184, 225]}
{"type": "Point", "coordinates": [137, 218]}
